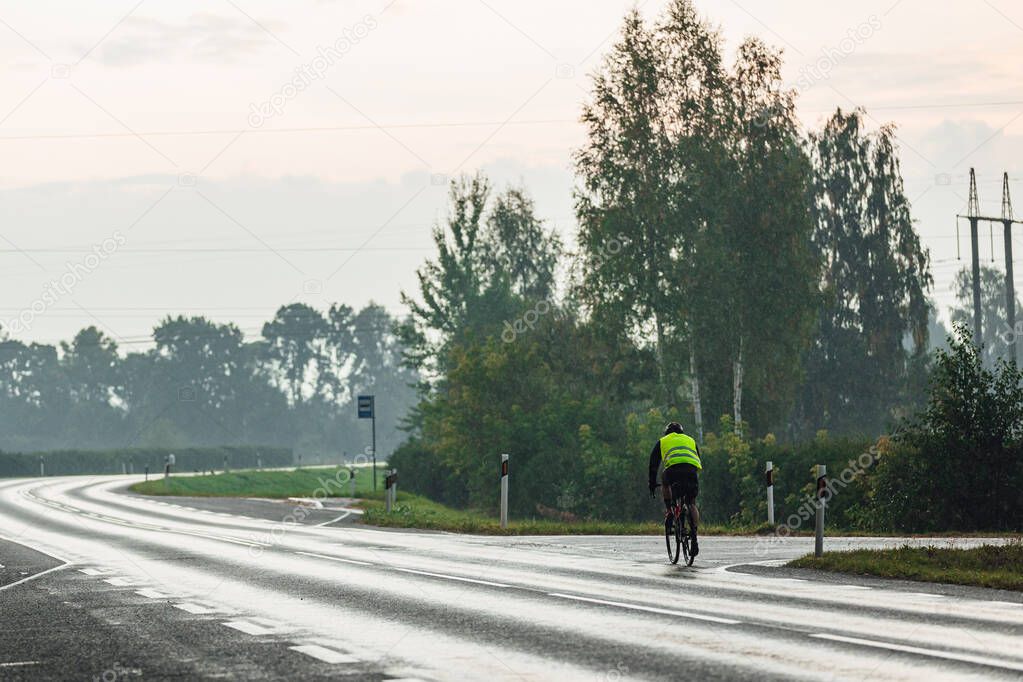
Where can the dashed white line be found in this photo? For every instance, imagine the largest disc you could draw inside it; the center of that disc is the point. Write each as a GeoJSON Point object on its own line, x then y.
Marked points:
{"type": "Point", "coordinates": [17, 664]}
{"type": "Point", "coordinates": [648, 609]}
{"type": "Point", "coordinates": [324, 654]}
{"type": "Point", "coordinates": [854, 587]}
{"type": "Point", "coordinates": [452, 577]}
{"type": "Point", "coordinates": [934, 653]}
{"type": "Point", "coordinates": [925, 595]}
{"type": "Point", "coordinates": [247, 627]}
{"type": "Point", "coordinates": [336, 558]}
{"type": "Point", "coordinates": [194, 609]}
{"type": "Point", "coordinates": [152, 594]}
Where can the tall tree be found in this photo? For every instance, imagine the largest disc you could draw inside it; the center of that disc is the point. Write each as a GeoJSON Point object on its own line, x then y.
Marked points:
{"type": "Point", "coordinates": [758, 271]}
{"type": "Point", "coordinates": [641, 203]}
{"type": "Point", "coordinates": [451, 288]}
{"type": "Point", "coordinates": [522, 251]}
{"type": "Point", "coordinates": [296, 346]}
{"type": "Point", "coordinates": [876, 275]}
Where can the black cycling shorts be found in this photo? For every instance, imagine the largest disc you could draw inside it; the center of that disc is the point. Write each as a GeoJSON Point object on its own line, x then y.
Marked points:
{"type": "Point", "coordinates": [684, 481]}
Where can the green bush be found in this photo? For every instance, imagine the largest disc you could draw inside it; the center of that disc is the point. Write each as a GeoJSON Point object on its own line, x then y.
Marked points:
{"type": "Point", "coordinates": [70, 462]}
{"type": "Point", "coordinates": [959, 464]}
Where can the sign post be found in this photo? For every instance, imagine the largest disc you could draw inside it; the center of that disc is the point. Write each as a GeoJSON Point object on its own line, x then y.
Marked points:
{"type": "Point", "coordinates": [367, 410]}
{"type": "Point", "coordinates": [769, 476]}
{"type": "Point", "coordinates": [504, 491]}
{"type": "Point", "coordinates": [822, 489]}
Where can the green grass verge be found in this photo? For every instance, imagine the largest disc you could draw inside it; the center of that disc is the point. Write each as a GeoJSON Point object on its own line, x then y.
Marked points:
{"type": "Point", "coordinates": [998, 566]}
{"type": "Point", "coordinates": [413, 511]}
{"type": "Point", "coordinates": [271, 484]}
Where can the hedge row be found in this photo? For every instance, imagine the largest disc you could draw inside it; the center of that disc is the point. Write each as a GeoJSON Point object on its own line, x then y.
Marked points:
{"type": "Point", "coordinates": [70, 462]}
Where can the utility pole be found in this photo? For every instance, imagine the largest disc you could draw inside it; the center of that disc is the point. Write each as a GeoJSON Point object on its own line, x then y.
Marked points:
{"type": "Point", "coordinates": [974, 212]}
{"type": "Point", "coordinates": [1010, 289]}
{"type": "Point", "coordinates": [1007, 221]}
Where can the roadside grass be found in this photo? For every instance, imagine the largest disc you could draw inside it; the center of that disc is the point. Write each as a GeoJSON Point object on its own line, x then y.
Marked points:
{"type": "Point", "coordinates": [413, 511]}
{"type": "Point", "coordinates": [270, 484]}
{"type": "Point", "coordinates": [997, 566]}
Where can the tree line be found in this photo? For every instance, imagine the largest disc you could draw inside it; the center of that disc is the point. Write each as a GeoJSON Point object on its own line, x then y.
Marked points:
{"type": "Point", "coordinates": [203, 384]}
{"type": "Point", "coordinates": [727, 262]}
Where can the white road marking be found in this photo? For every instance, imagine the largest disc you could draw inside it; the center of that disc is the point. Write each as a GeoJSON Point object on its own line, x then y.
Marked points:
{"type": "Point", "coordinates": [340, 518]}
{"type": "Point", "coordinates": [194, 609]}
{"type": "Point", "coordinates": [1006, 603]}
{"type": "Point", "coordinates": [247, 627]}
{"type": "Point", "coordinates": [91, 571]}
{"type": "Point", "coordinates": [336, 558]}
{"type": "Point", "coordinates": [152, 594]}
{"type": "Point", "coordinates": [935, 653]}
{"type": "Point", "coordinates": [649, 609]}
{"type": "Point", "coordinates": [928, 595]}
{"type": "Point", "coordinates": [854, 587]}
{"type": "Point", "coordinates": [16, 664]}
{"type": "Point", "coordinates": [32, 577]}
{"type": "Point", "coordinates": [451, 577]}
{"type": "Point", "coordinates": [324, 654]}
{"type": "Point", "coordinates": [119, 582]}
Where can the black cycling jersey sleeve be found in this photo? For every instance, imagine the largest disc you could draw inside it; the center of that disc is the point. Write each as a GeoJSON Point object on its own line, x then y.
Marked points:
{"type": "Point", "coordinates": [655, 463]}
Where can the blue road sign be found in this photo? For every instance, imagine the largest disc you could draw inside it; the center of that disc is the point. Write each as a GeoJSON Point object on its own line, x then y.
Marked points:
{"type": "Point", "coordinates": [366, 407]}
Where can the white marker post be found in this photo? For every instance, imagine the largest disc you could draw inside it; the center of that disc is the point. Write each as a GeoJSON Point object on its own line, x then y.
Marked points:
{"type": "Point", "coordinates": [769, 476]}
{"type": "Point", "coordinates": [42, 467]}
{"type": "Point", "coordinates": [504, 491]}
{"type": "Point", "coordinates": [390, 488]}
{"type": "Point", "coordinates": [822, 487]}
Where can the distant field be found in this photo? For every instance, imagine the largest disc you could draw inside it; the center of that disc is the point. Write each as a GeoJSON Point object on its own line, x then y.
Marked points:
{"type": "Point", "coordinates": [998, 566]}
{"type": "Point", "coordinates": [270, 484]}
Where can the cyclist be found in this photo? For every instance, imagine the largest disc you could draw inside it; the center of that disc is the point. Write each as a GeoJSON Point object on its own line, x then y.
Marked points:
{"type": "Point", "coordinates": [680, 456]}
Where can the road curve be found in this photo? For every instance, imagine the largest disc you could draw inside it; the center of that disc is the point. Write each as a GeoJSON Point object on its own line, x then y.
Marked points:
{"type": "Point", "coordinates": [379, 604]}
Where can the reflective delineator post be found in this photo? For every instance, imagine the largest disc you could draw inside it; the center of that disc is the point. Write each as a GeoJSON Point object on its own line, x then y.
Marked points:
{"type": "Point", "coordinates": [822, 488]}
{"type": "Point", "coordinates": [351, 482]}
{"type": "Point", "coordinates": [42, 467]}
{"type": "Point", "coordinates": [389, 480]}
{"type": "Point", "coordinates": [504, 491]}
{"type": "Point", "coordinates": [769, 476]}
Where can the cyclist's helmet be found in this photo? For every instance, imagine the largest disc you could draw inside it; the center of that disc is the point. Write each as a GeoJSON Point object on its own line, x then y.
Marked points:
{"type": "Point", "coordinates": [673, 427]}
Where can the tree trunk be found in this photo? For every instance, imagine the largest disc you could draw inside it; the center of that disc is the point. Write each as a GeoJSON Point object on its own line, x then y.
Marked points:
{"type": "Point", "coordinates": [694, 381]}
{"type": "Point", "coordinates": [662, 370]}
{"type": "Point", "coordinates": [737, 388]}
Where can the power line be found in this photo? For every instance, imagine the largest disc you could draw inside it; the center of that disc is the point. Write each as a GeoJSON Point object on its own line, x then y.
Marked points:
{"type": "Point", "coordinates": [274, 131]}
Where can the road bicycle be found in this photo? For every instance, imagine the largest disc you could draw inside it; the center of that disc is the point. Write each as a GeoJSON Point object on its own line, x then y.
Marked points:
{"type": "Point", "coordinates": [678, 527]}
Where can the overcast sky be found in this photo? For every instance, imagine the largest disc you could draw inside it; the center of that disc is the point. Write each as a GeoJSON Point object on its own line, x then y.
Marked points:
{"type": "Point", "coordinates": [163, 135]}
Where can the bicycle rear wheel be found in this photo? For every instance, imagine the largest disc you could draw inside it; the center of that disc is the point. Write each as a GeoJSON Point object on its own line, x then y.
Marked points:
{"type": "Point", "coordinates": [670, 539]}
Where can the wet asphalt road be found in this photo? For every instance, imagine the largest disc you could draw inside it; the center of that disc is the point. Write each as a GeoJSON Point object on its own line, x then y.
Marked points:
{"type": "Point", "coordinates": [99, 584]}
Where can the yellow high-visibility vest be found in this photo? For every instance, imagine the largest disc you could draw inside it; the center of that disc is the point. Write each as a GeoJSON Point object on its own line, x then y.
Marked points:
{"type": "Point", "coordinates": [678, 448]}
